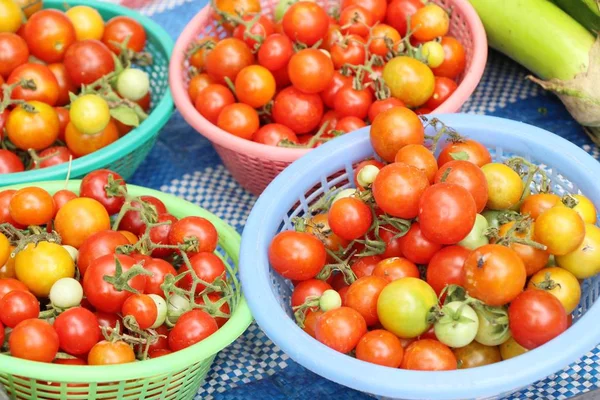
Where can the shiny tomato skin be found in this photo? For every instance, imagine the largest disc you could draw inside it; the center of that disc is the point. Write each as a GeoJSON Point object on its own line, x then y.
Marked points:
{"type": "Point", "coordinates": [132, 220]}
{"type": "Point", "coordinates": [273, 134]}
{"type": "Point", "coordinates": [207, 266]}
{"type": "Point", "coordinates": [160, 235]}
{"type": "Point", "coordinates": [10, 162]}
{"type": "Point", "coordinates": [350, 102]}
{"type": "Point", "coordinates": [119, 28]}
{"type": "Point", "coordinates": [94, 184]}
{"type": "Point", "coordinates": [275, 52]}
{"type": "Point", "coordinates": [350, 218]}
{"type": "Point", "coordinates": [159, 269]}
{"type": "Point", "coordinates": [416, 247]}
{"type": "Point", "coordinates": [109, 353]}
{"type": "Point", "coordinates": [13, 53]}
{"type": "Point", "coordinates": [49, 33]}
{"type": "Point", "coordinates": [35, 340]}
{"type": "Point", "coordinates": [341, 329]}
{"type": "Point", "coordinates": [446, 268]}
{"type": "Point", "coordinates": [380, 106]}
{"type": "Point", "coordinates": [212, 100]}
{"type": "Point", "coordinates": [467, 175]}
{"type": "Point", "coordinates": [46, 86]}
{"type": "Point", "coordinates": [17, 306]}
{"type": "Point", "coordinates": [476, 152]}
{"type": "Point", "coordinates": [398, 188]}
{"type": "Point", "coordinates": [198, 227]}
{"type": "Point", "coordinates": [87, 61]}
{"type": "Point", "coordinates": [398, 11]}
{"type": "Point", "coordinates": [97, 245]}
{"type": "Point", "coordinates": [64, 84]}
{"type": "Point", "coordinates": [310, 70]}
{"type": "Point", "coordinates": [380, 347]}
{"type": "Point", "coordinates": [306, 289]}
{"type": "Point", "coordinates": [454, 58]}
{"type": "Point", "coordinates": [418, 156]}
{"type": "Point", "coordinates": [396, 268]}
{"type": "Point", "coordinates": [227, 59]}
{"type": "Point", "coordinates": [56, 155]}
{"type": "Point", "coordinates": [362, 296]}
{"type": "Point", "coordinates": [191, 328]}
{"type": "Point", "coordinates": [394, 129]}
{"type": "Point", "coordinates": [443, 88]}
{"type": "Point", "coordinates": [301, 112]}
{"type": "Point", "coordinates": [305, 22]}
{"type": "Point", "coordinates": [297, 255]}
{"type": "Point", "coordinates": [535, 318]}
{"type": "Point", "coordinates": [428, 355]}
{"type": "Point", "coordinates": [77, 330]}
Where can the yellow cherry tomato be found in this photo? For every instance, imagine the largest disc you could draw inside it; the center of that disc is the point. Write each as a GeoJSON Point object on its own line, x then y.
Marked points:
{"type": "Point", "coordinates": [511, 349]}
{"type": "Point", "coordinates": [505, 186]}
{"type": "Point", "coordinates": [79, 219]}
{"type": "Point", "coordinates": [585, 208]}
{"type": "Point", "coordinates": [409, 80]}
{"type": "Point", "coordinates": [90, 114]}
{"type": "Point", "coordinates": [4, 249]}
{"type": "Point", "coordinates": [7, 270]}
{"type": "Point", "coordinates": [40, 266]}
{"type": "Point", "coordinates": [11, 16]}
{"type": "Point", "coordinates": [561, 284]}
{"type": "Point", "coordinates": [584, 262]}
{"type": "Point", "coordinates": [87, 22]}
{"type": "Point", "coordinates": [561, 229]}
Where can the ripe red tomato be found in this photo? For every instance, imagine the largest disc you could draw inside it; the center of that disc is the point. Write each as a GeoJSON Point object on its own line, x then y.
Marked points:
{"type": "Point", "coordinates": [306, 289]}
{"type": "Point", "coordinates": [494, 274]}
{"type": "Point", "coordinates": [365, 266]}
{"type": "Point", "coordinates": [61, 198]}
{"type": "Point", "coordinates": [56, 155]}
{"type": "Point", "coordinates": [362, 296]}
{"type": "Point", "coordinates": [46, 87]}
{"type": "Point", "coordinates": [446, 268]}
{"type": "Point", "coordinates": [310, 321]}
{"type": "Point", "coordinates": [394, 268]}
{"type": "Point", "coordinates": [32, 206]}
{"type": "Point", "coordinates": [475, 152]}
{"type": "Point", "coordinates": [394, 129]}
{"type": "Point", "coordinates": [467, 175]}
{"type": "Point", "coordinates": [536, 317]}
{"type": "Point", "coordinates": [416, 247]}
{"type": "Point", "coordinates": [341, 329]}
{"type": "Point", "coordinates": [310, 70]}
{"type": "Point", "coordinates": [239, 119]}
{"type": "Point", "coordinates": [132, 220]}
{"type": "Point", "coordinates": [454, 59]}
{"type": "Point", "coordinates": [94, 184]}
{"type": "Point", "coordinates": [118, 29]}
{"type": "Point", "coordinates": [380, 347]}
{"type": "Point", "coordinates": [446, 213]}
{"type": "Point", "coordinates": [191, 328]}
{"type": "Point", "coordinates": [160, 235]}
{"type": "Point", "coordinates": [212, 100]}
{"type": "Point", "coordinates": [393, 248]}
{"type": "Point", "coordinates": [8, 285]}
{"type": "Point", "coordinates": [428, 355]}
{"type": "Point", "coordinates": [350, 102]}
{"type": "Point", "coordinates": [160, 269]}
{"type": "Point", "coordinates": [301, 112]}
{"type": "Point", "coordinates": [142, 308]}
{"type": "Point", "coordinates": [273, 134]}
{"type": "Point", "coordinates": [13, 53]}
{"type": "Point", "coordinates": [377, 8]}
{"type": "Point", "coordinates": [227, 59]}
{"type": "Point", "coordinates": [77, 330]}
{"type": "Point", "coordinates": [262, 28]}
{"type": "Point", "coordinates": [349, 49]}
{"type": "Point", "coordinates": [34, 340]}
{"type": "Point", "coordinates": [17, 306]}
{"type": "Point", "coordinates": [98, 245]}
{"type": "Point", "coordinates": [49, 33]}
{"type": "Point", "coordinates": [198, 83]}
{"type": "Point", "coordinates": [430, 22]}
{"type": "Point", "coordinates": [5, 198]}
{"type": "Point", "coordinates": [198, 227]}
{"type": "Point", "coordinates": [65, 85]}
{"type": "Point", "coordinates": [380, 106]}
{"type": "Point", "coordinates": [87, 61]}
{"type": "Point", "coordinates": [206, 266]}
{"type": "Point", "coordinates": [418, 156]}
{"type": "Point", "coordinates": [443, 88]}
{"type": "Point", "coordinates": [10, 162]}
{"type": "Point", "coordinates": [398, 188]}
{"type": "Point", "coordinates": [336, 82]}
{"type": "Point", "coordinates": [398, 11]}
{"type": "Point", "coordinates": [275, 52]}
{"type": "Point", "coordinates": [297, 255]}
{"type": "Point", "coordinates": [63, 120]}
{"type": "Point", "coordinates": [305, 22]}
{"type": "Point", "coordinates": [356, 20]}
{"type": "Point", "coordinates": [103, 295]}
{"type": "Point", "coordinates": [350, 218]}
{"type": "Point", "coordinates": [349, 124]}
{"type": "Point", "coordinates": [384, 39]}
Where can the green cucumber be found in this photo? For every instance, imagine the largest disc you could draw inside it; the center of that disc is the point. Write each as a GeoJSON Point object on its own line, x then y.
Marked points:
{"type": "Point", "coordinates": [586, 12]}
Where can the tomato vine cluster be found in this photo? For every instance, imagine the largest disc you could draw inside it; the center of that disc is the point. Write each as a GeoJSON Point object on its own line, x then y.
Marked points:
{"type": "Point", "coordinates": [75, 291]}
{"type": "Point", "coordinates": [306, 76]}
{"type": "Point", "coordinates": [438, 263]}
{"type": "Point", "coordinates": [67, 85]}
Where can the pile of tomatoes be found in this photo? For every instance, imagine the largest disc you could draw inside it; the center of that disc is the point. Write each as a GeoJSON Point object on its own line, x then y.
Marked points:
{"type": "Point", "coordinates": [75, 291]}
{"type": "Point", "coordinates": [438, 263]}
{"type": "Point", "coordinates": [305, 76]}
{"type": "Point", "coordinates": [67, 87]}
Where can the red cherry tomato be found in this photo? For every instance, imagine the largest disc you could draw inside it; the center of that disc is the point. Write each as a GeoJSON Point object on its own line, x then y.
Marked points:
{"type": "Point", "coordinates": [34, 340]}
{"type": "Point", "coordinates": [297, 255]}
{"type": "Point", "coordinates": [350, 218]}
{"type": "Point", "coordinates": [160, 269]}
{"type": "Point", "coordinates": [443, 88]}
{"type": "Point", "coordinates": [301, 112]}
{"type": "Point", "coordinates": [206, 266]}
{"type": "Point", "coordinates": [78, 330]}
{"type": "Point", "coordinates": [362, 296]}
{"type": "Point", "coordinates": [446, 268]}
{"type": "Point", "coordinates": [97, 245]}
{"type": "Point", "coordinates": [142, 308]}
{"type": "Point", "coordinates": [195, 227]}
{"type": "Point", "coordinates": [416, 247]}
{"type": "Point", "coordinates": [341, 329]}
{"type": "Point", "coordinates": [467, 175]}
{"type": "Point", "coordinates": [17, 306]}
{"type": "Point", "coordinates": [49, 33]}
{"type": "Point", "coordinates": [395, 268]}
{"type": "Point", "coordinates": [94, 186]}
{"type": "Point", "coordinates": [305, 22]}
{"type": "Point", "coordinates": [132, 220]}
{"type": "Point", "coordinates": [398, 188]}
{"type": "Point", "coordinates": [191, 328]}
{"type": "Point", "coordinates": [87, 61]}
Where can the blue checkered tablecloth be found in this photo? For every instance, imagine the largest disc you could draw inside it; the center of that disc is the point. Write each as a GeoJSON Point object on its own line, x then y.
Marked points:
{"type": "Point", "coordinates": [253, 367]}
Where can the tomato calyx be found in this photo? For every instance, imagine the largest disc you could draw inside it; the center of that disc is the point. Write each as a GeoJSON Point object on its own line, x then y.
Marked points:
{"type": "Point", "coordinates": [329, 300]}
{"type": "Point", "coordinates": [32, 235]}
{"type": "Point", "coordinates": [7, 100]}
{"type": "Point", "coordinates": [569, 201]}
{"type": "Point", "coordinates": [519, 232]}
{"type": "Point", "coordinates": [341, 265]}
{"type": "Point", "coordinates": [319, 137]}
{"type": "Point", "coordinates": [548, 283]}
{"type": "Point", "coordinates": [120, 280]}
{"type": "Point", "coordinates": [141, 339]}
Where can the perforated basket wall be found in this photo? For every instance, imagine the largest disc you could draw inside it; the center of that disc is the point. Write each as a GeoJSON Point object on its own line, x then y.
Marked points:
{"type": "Point", "coordinates": [127, 153]}
{"type": "Point", "coordinates": [254, 165]}
{"type": "Point", "coordinates": [174, 376]}
{"type": "Point", "coordinates": [293, 191]}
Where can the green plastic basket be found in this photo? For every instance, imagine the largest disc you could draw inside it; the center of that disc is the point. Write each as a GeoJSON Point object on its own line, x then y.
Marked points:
{"type": "Point", "coordinates": [174, 376]}
{"type": "Point", "coordinates": [127, 153]}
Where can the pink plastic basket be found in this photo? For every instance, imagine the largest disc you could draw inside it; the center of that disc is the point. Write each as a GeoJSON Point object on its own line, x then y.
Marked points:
{"type": "Point", "coordinates": [254, 165]}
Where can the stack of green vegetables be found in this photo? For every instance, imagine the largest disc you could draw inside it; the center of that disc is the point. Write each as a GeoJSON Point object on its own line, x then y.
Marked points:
{"type": "Point", "coordinates": [554, 39]}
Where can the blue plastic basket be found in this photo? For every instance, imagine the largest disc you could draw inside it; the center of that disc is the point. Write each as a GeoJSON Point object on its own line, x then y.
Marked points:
{"type": "Point", "coordinates": [290, 194]}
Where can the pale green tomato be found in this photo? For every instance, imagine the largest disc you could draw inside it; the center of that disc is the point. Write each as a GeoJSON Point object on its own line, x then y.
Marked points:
{"type": "Point", "coordinates": [476, 238]}
{"type": "Point", "coordinates": [458, 327]}
{"type": "Point", "coordinates": [66, 293]}
{"type": "Point", "coordinates": [434, 53]}
{"type": "Point", "coordinates": [177, 306]}
{"type": "Point", "coordinates": [330, 300]}
{"type": "Point", "coordinates": [491, 334]}
{"type": "Point", "coordinates": [492, 218]}
{"type": "Point", "coordinates": [367, 174]}
{"type": "Point", "coordinates": [161, 307]}
{"type": "Point", "coordinates": [403, 307]}
{"type": "Point", "coordinates": [72, 251]}
{"type": "Point", "coordinates": [343, 194]}
{"type": "Point", "coordinates": [133, 84]}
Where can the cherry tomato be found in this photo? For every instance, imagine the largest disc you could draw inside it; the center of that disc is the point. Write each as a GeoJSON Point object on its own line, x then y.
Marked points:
{"type": "Point", "coordinates": [362, 296]}
{"type": "Point", "coordinates": [109, 320]}
{"type": "Point", "coordinates": [380, 106]}
{"type": "Point", "coordinates": [239, 119]}
{"type": "Point", "coordinates": [398, 11]}
{"type": "Point", "coordinates": [198, 227]}
{"type": "Point", "coordinates": [17, 306]}
{"type": "Point", "coordinates": [49, 33]}
{"type": "Point", "coordinates": [352, 102]}
{"type": "Point", "coordinates": [87, 21]}
{"type": "Point", "coordinates": [238, 7]}
{"type": "Point", "coordinates": [160, 235]}
{"type": "Point", "coordinates": [340, 329]}
{"type": "Point", "coordinates": [142, 308]}
{"type": "Point", "coordinates": [159, 269]}
{"type": "Point", "coordinates": [212, 100]}
{"type": "Point", "coordinates": [275, 52]}
{"type": "Point", "coordinates": [561, 229]}
{"type": "Point", "coordinates": [377, 8]}
{"type": "Point", "coordinates": [10, 162]}
{"type": "Point", "coordinates": [305, 22]}
{"type": "Point", "coordinates": [82, 144]}
{"type": "Point", "coordinates": [409, 80]}
{"type": "Point", "coordinates": [396, 268]}
{"type": "Point", "coordinates": [33, 130]}
{"type": "Point", "coordinates": [94, 185]}
{"type": "Point", "coordinates": [227, 59]}
{"type": "Point", "coordinates": [349, 49]}
{"type": "Point", "coordinates": [40, 266]}
{"type": "Point", "coordinates": [446, 268]}
{"type": "Point", "coordinates": [87, 61]}
{"type": "Point", "coordinates": [443, 88]}
{"type": "Point", "coordinates": [311, 320]}
{"type": "Point", "coordinates": [418, 156]}
{"type": "Point", "coordinates": [533, 259]}
{"type": "Point", "coordinates": [310, 70]}
{"type": "Point", "coordinates": [306, 289]}
{"type": "Point", "coordinates": [8, 285]}
{"type": "Point", "coordinates": [467, 175]}
{"type": "Point", "coordinates": [356, 20]}
{"type": "Point", "coordinates": [46, 86]}
{"type": "Point", "coordinates": [11, 16]}
{"type": "Point", "coordinates": [472, 151]}
{"type": "Point", "coordinates": [120, 28]}
{"type": "Point", "coordinates": [380, 347]}
{"type": "Point", "coordinates": [561, 284]}
{"type": "Point", "coordinates": [61, 198]}
{"type": "Point", "coordinates": [79, 219]}
{"type": "Point", "coordinates": [5, 198]}
{"type": "Point", "coordinates": [206, 266]}
{"type": "Point", "coordinates": [336, 82]}
{"type": "Point", "coordinates": [403, 305]}
{"type": "Point", "coordinates": [13, 53]}
{"type": "Point", "coordinates": [212, 307]}
{"type": "Point", "coordinates": [198, 83]}
{"type": "Point", "coordinates": [132, 220]}
{"type": "Point", "coordinates": [56, 155]}
{"type": "Point", "coordinates": [63, 121]}
{"type": "Point", "coordinates": [103, 295]}
{"type": "Point", "coordinates": [454, 59]}
{"type": "Point", "coordinates": [536, 204]}
{"type": "Point", "coordinates": [505, 186]}
{"type": "Point", "coordinates": [584, 262]}
{"type": "Point", "coordinates": [383, 36]}
{"type": "Point", "coordinates": [394, 129]}
{"type": "Point", "coordinates": [255, 86]}
{"type": "Point", "coordinates": [31, 206]}
{"type": "Point", "coordinates": [536, 317]}
{"type": "Point", "coordinates": [34, 340]}
{"type": "Point", "coordinates": [511, 349]}
{"type": "Point", "coordinates": [494, 274]}
{"type": "Point", "coordinates": [319, 227]}
{"type": "Point", "coordinates": [350, 218]}
{"type": "Point", "coordinates": [273, 134]}
{"type": "Point", "coordinates": [77, 330]}
{"type": "Point", "coordinates": [191, 328]}
{"type": "Point", "coordinates": [416, 247]}
{"type": "Point", "coordinates": [97, 245]}
{"type": "Point", "coordinates": [398, 188]}
{"type": "Point", "coordinates": [585, 208]}
{"type": "Point", "coordinates": [477, 355]}
{"type": "Point", "coordinates": [261, 28]}
{"type": "Point", "coordinates": [430, 22]}
{"type": "Point", "coordinates": [301, 112]}
{"type": "Point", "coordinates": [428, 355]}
{"type": "Point", "coordinates": [297, 255]}
{"type": "Point", "coordinates": [109, 353]}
